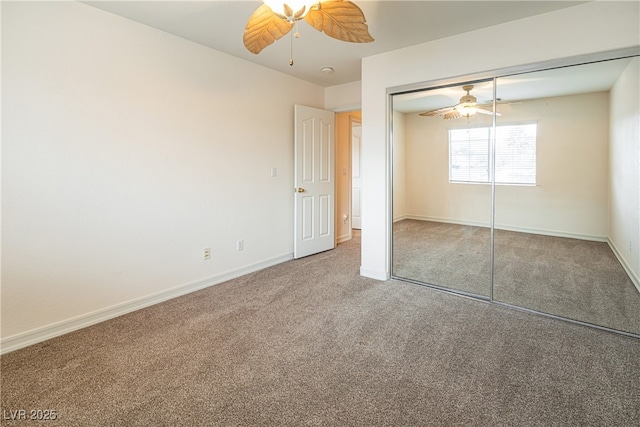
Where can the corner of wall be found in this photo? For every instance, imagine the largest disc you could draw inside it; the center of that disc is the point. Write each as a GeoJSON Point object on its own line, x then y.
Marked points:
{"type": "Point", "coordinates": [344, 97]}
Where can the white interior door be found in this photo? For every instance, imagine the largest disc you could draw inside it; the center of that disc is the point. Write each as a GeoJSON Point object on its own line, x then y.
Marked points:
{"type": "Point", "coordinates": [314, 181]}
{"type": "Point", "coordinates": [356, 179]}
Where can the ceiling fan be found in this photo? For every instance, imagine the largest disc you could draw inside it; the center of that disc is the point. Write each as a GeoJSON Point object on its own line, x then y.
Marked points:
{"type": "Point", "coordinates": [467, 107]}
{"type": "Point", "coordinates": [342, 20]}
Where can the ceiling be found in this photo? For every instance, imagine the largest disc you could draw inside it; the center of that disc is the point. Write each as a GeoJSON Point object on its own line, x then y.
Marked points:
{"type": "Point", "coordinates": [585, 78]}
{"type": "Point", "coordinates": [393, 24]}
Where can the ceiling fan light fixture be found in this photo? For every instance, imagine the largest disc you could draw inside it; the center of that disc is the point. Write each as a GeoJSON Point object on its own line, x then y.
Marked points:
{"type": "Point", "coordinates": [291, 10]}
{"type": "Point", "coordinates": [466, 109]}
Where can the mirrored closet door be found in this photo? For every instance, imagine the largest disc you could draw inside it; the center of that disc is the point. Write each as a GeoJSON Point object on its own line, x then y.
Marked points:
{"type": "Point", "coordinates": [536, 206]}
{"type": "Point", "coordinates": [567, 193]}
{"type": "Point", "coordinates": [441, 189]}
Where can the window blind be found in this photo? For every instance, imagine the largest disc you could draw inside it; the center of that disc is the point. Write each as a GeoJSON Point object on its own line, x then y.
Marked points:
{"type": "Point", "coordinates": [469, 154]}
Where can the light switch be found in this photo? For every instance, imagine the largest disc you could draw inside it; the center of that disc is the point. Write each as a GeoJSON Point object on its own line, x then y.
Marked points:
{"type": "Point", "coordinates": [274, 172]}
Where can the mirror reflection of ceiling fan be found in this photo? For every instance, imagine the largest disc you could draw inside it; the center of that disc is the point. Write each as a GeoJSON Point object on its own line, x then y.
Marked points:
{"type": "Point", "coordinates": [467, 107]}
{"type": "Point", "coordinates": [340, 19]}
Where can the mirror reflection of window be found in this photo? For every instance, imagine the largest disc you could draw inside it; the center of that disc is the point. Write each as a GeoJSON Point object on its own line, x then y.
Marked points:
{"type": "Point", "coordinates": [470, 154]}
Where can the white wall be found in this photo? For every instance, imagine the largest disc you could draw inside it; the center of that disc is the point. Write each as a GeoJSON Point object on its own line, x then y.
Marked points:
{"type": "Point", "coordinates": [570, 196]}
{"type": "Point", "coordinates": [624, 167]}
{"type": "Point", "coordinates": [583, 29]}
{"type": "Point", "coordinates": [126, 151]}
{"type": "Point", "coordinates": [429, 195]}
{"type": "Point", "coordinates": [344, 97]}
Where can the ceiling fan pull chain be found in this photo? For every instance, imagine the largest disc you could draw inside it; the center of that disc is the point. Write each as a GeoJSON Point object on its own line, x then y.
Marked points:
{"type": "Point", "coordinates": [293, 34]}
{"type": "Point", "coordinates": [291, 49]}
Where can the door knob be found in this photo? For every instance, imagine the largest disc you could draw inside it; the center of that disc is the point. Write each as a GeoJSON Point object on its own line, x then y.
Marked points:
{"type": "Point", "coordinates": [300, 190]}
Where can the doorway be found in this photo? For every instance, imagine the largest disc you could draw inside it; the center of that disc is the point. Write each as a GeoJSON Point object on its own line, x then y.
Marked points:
{"type": "Point", "coordinates": [356, 177]}
{"type": "Point", "coordinates": [345, 124]}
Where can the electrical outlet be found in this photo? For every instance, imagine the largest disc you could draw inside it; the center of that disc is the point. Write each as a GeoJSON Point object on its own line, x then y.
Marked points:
{"type": "Point", "coordinates": [206, 254]}
{"type": "Point", "coordinates": [240, 245]}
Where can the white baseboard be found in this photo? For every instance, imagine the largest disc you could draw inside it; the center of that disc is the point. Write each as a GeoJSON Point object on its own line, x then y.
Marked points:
{"type": "Point", "coordinates": [401, 218]}
{"type": "Point", "coordinates": [632, 275]}
{"type": "Point", "coordinates": [344, 238]}
{"type": "Point", "coordinates": [447, 220]}
{"type": "Point", "coordinates": [53, 330]}
{"type": "Point", "coordinates": [552, 233]}
{"type": "Point", "coordinates": [544, 232]}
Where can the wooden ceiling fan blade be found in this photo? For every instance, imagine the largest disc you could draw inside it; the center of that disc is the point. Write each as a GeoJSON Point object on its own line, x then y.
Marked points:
{"type": "Point", "coordinates": [340, 19]}
{"type": "Point", "coordinates": [263, 28]}
{"type": "Point", "coordinates": [453, 114]}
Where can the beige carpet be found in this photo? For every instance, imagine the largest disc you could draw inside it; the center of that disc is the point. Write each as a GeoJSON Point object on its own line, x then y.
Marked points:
{"type": "Point", "coordinates": [447, 255]}
{"type": "Point", "coordinates": [310, 342]}
{"type": "Point", "coordinates": [576, 279]}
